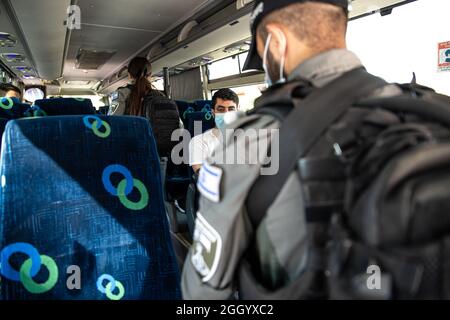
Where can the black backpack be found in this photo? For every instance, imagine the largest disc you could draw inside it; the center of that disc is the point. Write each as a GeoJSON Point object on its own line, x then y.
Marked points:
{"type": "Point", "coordinates": [377, 207]}
{"type": "Point", "coordinates": [164, 118]}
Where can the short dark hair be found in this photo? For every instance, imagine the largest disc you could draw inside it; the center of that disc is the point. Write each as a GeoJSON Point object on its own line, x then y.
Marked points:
{"type": "Point", "coordinates": [225, 94]}
{"type": "Point", "coordinates": [319, 25]}
{"type": "Point", "coordinates": [10, 87]}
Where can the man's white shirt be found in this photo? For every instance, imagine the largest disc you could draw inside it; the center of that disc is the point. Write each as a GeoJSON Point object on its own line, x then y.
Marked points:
{"type": "Point", "coordinates": [202, 146]}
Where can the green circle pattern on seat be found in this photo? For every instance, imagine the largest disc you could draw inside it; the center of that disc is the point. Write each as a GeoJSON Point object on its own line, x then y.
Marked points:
{"type": "Point", "coordinates": [189, 110]}
{"type": "Point", "coordinates": [209, 115]}
{"type": "Point", "coordinates": [9, 105]}
{"type": "Point", "coordinates": [30, 284]}
{"type": "Point", "coordinates": [111, 295]}
{"type": "Point", "coordinates": [100, 134]}
{"type": "Point", "coordinates": [141, 204]}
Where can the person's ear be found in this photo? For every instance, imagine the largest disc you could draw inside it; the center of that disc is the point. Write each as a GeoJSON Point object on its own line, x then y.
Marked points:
{"type": "Point", "coordinates": [278, 43]}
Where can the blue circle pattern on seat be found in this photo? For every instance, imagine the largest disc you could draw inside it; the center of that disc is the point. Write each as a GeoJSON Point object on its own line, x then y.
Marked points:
{"type": "Point", "coordinates": [110, 287]}
{"type": "Point", "coordinates": [7, 270]}
{"type": "Point", "coordinates": [209, 115]}
{"type": "Point", "coordinates": [88, 124]}
{"type": "Point", "coordinates": [208, 112]}
{"type": "Point", "coordinates": [96, 125]}
{"type": "Point", "coordinates": [189, 110]}
{"type": "Point", "coordinates": [35, 111]}
{"type": "Point", "coordinates": [108, 278]}
{"type": "Point", "coordinates": [29, 268]}
{"type": "Point", "coordinates": [207, 108]}
{"type": "Point", "coordinates": [38, 112]}
{"type": "Point", "coordinates": [29, 112]}
{"type": "Point", "coordinates": [116, 168]}
{"type": "Point", "coordinates": [32, 266]}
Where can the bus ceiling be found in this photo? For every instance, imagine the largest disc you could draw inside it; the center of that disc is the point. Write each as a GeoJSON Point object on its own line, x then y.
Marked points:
{"type": "Point", "coordinates": [361, 8]}
{"type": "Point", "coordinates": [92, 41]}
{"type": "Point", "coordinates": [211, 39]}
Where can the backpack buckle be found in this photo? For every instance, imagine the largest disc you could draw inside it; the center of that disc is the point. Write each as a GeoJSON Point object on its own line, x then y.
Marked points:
{"type": "Point", "coordinates": [343, 152]}
{"type": "Point", "coordinates": [338, 150]}
{"type": "Point", "coordinates": [343, 140]}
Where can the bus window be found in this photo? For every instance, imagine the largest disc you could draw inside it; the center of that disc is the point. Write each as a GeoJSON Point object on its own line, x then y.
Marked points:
{"type": "Point", "coordinates": [242, 58]}
{"type": "Point", "coordinates": [224, 68]}
{"type": "Point", "coordinates": [247, 95]}
{"type": "Point", "coordinates": [33, 94]}
{"type": "Point", "coordinates": [158, 84]}
{"type": "Point", "coordinates": [406, 41]}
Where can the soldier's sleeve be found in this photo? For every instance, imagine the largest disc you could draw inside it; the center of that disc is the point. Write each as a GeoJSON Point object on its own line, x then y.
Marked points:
{"type": "Point", "coordinates": [118, 105]}
{"type": "Point", "coordinates": [223, 230]}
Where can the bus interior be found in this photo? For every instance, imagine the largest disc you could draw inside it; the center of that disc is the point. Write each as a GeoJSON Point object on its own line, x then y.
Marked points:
{"type": "Point", "coordinates": [75, 53]}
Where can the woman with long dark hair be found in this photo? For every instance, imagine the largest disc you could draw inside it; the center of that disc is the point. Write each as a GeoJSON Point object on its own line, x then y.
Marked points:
{"type": "Point", "coordinates": [129, 98]}
{"type": "Point", "coordinates": [140, 99]}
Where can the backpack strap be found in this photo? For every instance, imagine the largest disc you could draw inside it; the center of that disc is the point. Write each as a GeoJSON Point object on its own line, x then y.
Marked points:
{"type": "Point", "coordinates": [280, 113]}
{"type": "Point", "coordinates": [308, 121]}
{"type": "Point", "coordinates": [436, 110]}
{"type": "Point", "coordinates": [277, 100]}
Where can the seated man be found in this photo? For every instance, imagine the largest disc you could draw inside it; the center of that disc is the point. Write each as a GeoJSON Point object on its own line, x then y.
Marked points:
{"type": "Point", "coordinates": [202, 146]}
{"type": "Point", "coordinates": [11, 91]}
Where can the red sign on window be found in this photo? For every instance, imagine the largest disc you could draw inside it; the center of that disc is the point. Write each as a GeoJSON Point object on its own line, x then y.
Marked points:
{"type": "Point", "coordinates": [444, 56]}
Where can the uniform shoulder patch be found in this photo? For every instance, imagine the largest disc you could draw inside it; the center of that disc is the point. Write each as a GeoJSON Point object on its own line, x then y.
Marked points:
{"type": "Point", "coordinates": [207, 248]}
{"type": "Point", "coordinates": [209, 181]}
{"type": "Point", "coordinates": [115, 96]}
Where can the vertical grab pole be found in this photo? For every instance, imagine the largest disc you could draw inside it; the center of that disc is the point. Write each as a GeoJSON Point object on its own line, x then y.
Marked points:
{"type": "Point", "coordinates": [205, 82]}
{"type": "Point", "coordinates": [167, 85]}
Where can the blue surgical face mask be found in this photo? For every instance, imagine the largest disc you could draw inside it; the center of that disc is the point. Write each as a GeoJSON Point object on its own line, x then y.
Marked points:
{"type": "Point", "coordinates": [220, 120]}
{"type": "Point", "coordinates": [268, 79]}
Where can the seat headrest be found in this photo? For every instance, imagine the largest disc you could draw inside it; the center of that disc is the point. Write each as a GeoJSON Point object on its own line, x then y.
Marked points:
{"type": "Point", "coordinates": [12, 108]}
{"type": "Point", "coordinates": [206, 119]}
{"type": "Point", "coordinates": [65, 106]}
{"type": "Point", "coordinates": [184, 108]}
{"type": "Point", "coordinates": [203, 105]}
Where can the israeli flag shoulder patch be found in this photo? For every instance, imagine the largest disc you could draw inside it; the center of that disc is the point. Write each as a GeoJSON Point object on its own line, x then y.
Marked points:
{"type": "Point", "coordinates": [209, 181]}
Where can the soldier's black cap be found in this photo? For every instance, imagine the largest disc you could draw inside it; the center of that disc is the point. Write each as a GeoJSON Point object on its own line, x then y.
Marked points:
{"type": "Point", "coordinates": [264, 7]}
